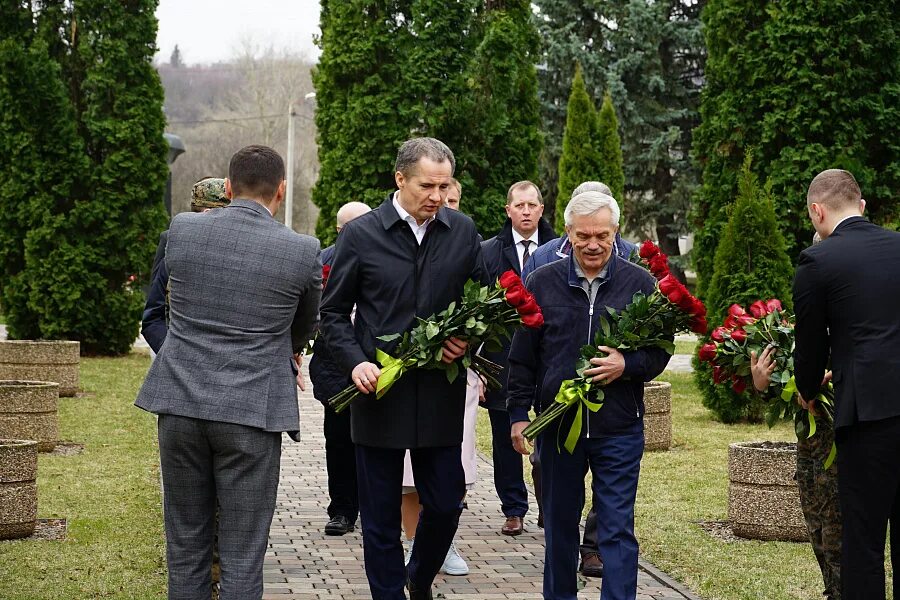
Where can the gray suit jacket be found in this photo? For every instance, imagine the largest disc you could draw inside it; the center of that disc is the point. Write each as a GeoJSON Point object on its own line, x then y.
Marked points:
{"type": "Point", "coordinates": [244, 294]}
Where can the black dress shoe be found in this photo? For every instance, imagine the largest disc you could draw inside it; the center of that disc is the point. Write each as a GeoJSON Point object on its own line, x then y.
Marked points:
{"type": "Point", "coordinates": [417, 594]}
{"type": "Point", "coordinates": [339, 525]}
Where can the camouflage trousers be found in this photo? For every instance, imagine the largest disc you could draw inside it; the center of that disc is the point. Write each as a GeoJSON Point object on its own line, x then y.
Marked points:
{"type": "Point", "coordinates": [821, 507]}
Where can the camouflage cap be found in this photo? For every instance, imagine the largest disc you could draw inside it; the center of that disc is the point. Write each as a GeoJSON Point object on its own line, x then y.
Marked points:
{"type": "Point", "coordinates": [208, 193]}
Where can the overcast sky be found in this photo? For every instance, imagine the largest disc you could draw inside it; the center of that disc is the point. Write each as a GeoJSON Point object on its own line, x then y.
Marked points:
{"type": "Point", "coordinates": [208, 31]}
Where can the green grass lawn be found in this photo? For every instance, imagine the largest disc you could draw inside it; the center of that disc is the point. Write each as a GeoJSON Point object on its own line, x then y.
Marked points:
{"type": "Point", "coordinates": [688, 484]}
{"type": "Point", "coordinates": [682, 347]}
{"type": "Point", "coordinates": [109, 494]}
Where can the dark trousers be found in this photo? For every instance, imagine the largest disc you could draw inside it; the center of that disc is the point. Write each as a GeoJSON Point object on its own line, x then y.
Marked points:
{"type": "Point", "coordinates": [441, 485]}
{"type": "Point", "coordinates": [204, 462]}
{"type": "Point", "coordinates": [615, 464]}
{"type": "Point", "coordinates": [508, 479]}
{"type": "Point", "coordinates": [868, 456]}
{"type": "Point", "coordinates": [340, 460]}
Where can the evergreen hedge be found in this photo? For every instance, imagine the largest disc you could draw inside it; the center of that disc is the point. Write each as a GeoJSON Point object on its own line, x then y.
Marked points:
{"type": "Point", "coordinates": [85, 160]}
{"type": "Point", "coordinates": [751, 263]}
{"type": "Point", "coordinates": [810, 85]}
{"type": "Point", "coordinates": [609, 150]}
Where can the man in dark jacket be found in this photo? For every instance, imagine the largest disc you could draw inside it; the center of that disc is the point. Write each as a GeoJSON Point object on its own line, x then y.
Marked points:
{"type": "Point", "coordinates": [408, 258]}
{"type": "Point", "coordinates": [525, 229]}
{"type": "Point", "coordinates": [845, 295]}
{"type": "Point", "coordinates": [573, 293]}
{"type": "Point", "coordinates": [329, 379]}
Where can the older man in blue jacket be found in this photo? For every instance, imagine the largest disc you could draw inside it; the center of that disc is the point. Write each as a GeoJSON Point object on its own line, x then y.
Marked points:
{"type": "Point", "coordinates": [573, 293]}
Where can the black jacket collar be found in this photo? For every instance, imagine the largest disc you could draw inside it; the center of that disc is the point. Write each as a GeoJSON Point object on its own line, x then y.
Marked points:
{"type": "Point", "coordinates": [390, 216]}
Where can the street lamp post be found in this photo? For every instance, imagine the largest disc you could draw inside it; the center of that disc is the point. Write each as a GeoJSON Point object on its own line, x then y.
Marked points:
{"type": "Point", "coordinates": [289, 194]}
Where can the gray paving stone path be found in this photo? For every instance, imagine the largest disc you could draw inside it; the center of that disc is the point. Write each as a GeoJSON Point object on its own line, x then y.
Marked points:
{"type": "Point", "coordinates": [304, 564]}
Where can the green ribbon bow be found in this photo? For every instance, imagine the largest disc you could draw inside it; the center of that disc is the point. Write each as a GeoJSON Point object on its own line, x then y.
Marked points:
{"type": "Point", "coordinates": [574, 392]}
{"type": "Point", "coordinates": [392, 369]}
{"type": "Point", "coordinates": [787, 394]}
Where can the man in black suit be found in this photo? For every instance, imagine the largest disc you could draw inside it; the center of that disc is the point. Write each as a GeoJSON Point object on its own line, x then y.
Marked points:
{"type": "Point", "coordinates": [845, 295]}
{"type": "Point", "coordinates": [524, 231]}
{"type": "Point", "coordinates": [329, 379]}
{"type": "Point", "coordinates": [408, 258]}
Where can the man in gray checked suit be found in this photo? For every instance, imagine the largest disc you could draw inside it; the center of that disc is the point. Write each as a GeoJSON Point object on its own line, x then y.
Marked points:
{"type": "Point", "coordinates": [244, 297]}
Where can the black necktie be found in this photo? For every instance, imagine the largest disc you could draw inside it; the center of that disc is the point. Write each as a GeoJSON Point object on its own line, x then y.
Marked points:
{"type": "Point", "coordinates": [525, 244]}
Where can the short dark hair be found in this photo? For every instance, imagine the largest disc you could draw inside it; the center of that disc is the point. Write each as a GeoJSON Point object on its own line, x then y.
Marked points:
{"type": "Point", "coordinates": [834, 188]}
{"type": "Point", "coordinates": [255, 172]}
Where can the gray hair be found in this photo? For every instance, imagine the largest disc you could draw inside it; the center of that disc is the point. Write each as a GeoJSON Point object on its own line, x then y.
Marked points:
{"type": "Point", "coordinates": [414, 149]}
{"type": "Point", "coordinates": [592, 186]}
{"type": "Point", "coordinates": [588, 203]}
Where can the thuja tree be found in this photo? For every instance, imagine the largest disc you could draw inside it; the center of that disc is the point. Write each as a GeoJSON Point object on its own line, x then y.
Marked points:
{"type": "Point", "coordinates": [501, 139]}
{"type": "Point", "coordinates": [810, 85]}
{"type": "Point", "coordinates": [580, 160]}
{"type": "Point", "coordinates": [751, 263]}
{"type": "Point", "coordinates": [609, 151]}
{"type": "Point", "coordinates": [98, 210]}
{"type": "Point", "coordinates": [364, 111]}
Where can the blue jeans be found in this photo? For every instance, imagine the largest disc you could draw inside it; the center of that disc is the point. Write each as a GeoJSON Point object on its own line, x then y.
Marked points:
{"type": "Point", "coordinates": [615, 464]}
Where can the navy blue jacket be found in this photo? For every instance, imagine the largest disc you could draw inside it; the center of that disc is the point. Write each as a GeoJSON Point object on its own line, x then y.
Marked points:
{"type": "Point", "coordinates": [153, 321]}
{"type": "Point", "coordinates": [540, 359]}
{"type": "Point", "coordinates": [560, 248]}
{"type": "Point", "coordinates": [327, 377]}
{"type": "Point", "coordinates": [501, 255]}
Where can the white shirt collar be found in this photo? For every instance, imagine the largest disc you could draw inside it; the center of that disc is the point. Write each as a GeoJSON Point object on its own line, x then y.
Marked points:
{"type": "Point", "coordinates": [418, 230]}
{"type": "Point", "coordinates": [518, 238]}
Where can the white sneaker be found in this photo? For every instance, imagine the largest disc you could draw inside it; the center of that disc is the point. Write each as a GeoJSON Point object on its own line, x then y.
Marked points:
{"type": "Point", "coordinates": [409, 548]}
{"type": "Point", "coordinates": [454, 563]}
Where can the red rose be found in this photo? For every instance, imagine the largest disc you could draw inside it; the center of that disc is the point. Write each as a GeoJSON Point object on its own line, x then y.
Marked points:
{"type": "Point", "coordinates": [730, 323]}
{"type": "Point", "coordinates": [533, 320]}
{"type": "Point", "coordinates": [773, 304]}
{"type": "Point", "coordinates": [736, 310]}
{"type": "Point", "coordinates": [758, 309]}
{"type": "Point", "coordinates": [509, 278]}
{"type": "Point", "coordinates": [686, 304]}
{"type": "Point", "coordinates": [707, 352]}
{"type": "Point", "coordinates": [744, 320]}
{"type": "Point", "coordinates": [698, 309]}
{"type": "Point", "coordinates": [720, 334]}
{"type": "Point", "coordinates": [659, 265]}
{"type": "Point", "coordinates": [648, 250]}
{"type": "Point", "coordinates": [739, 335]}
{"type": "Point", "coordinates": [668, 284]}
{"type": "Point", "coordinates": [719, 375]}
{"type": "Point", "coordinates": [529, 307]}
{"type": "Point", "coordinates": [738, 384]}
{"type": "Point", "coordinates": [516, 294]}
{"type": "Point", "coordinates": [326, 271]}
{"type": "Point", "coordinates": [699, 325]}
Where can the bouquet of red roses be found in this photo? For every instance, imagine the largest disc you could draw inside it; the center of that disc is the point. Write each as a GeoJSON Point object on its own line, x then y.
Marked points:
{"type": "Point", "coordinates": [486, 314]}
{"type": "Point", "coordinates": [647, 321]}
{"type": "Point", "coordinates": [765, 324]}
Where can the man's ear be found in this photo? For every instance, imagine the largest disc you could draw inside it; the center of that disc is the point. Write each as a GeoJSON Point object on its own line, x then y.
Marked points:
{"type": "Point", "coordinates": [400, 180]}
{"type": "Point", "coordinates": [228, 193]}
{"type": "Point", "coordinates": [281, 191]}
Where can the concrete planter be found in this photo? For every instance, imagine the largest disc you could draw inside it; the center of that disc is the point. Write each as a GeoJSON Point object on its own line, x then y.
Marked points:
{"type": "Point", "coordinates": [763, 498]}
{"type": "Point", "coordinates": [28, 412]}
{"type": "Point", "coordinates": [18, 491]}
{"type": "Point", "coordinates": [657, 415]}
{"type": "Point", "coordinates": [55, 361]}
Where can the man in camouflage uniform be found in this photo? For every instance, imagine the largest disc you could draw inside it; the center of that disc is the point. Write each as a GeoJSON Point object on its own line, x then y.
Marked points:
{"type": "Point", "coordinates": [206, 194]}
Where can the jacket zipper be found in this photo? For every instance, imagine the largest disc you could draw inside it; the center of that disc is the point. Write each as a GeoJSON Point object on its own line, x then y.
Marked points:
{"type": "Point", "coordinates": [590, 323]}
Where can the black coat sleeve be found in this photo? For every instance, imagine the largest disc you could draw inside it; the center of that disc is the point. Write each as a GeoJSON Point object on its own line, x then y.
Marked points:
{"type": "Point", "coordinates": [811, 340]}
{"type": "Point", "coordinates": [338, 300]}
{"type": "Point", "coordinates": [153, 321]}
